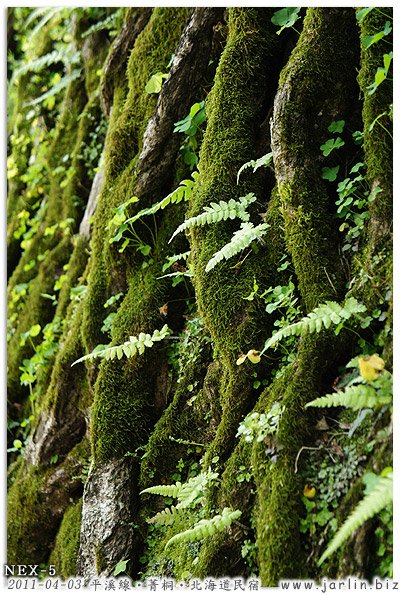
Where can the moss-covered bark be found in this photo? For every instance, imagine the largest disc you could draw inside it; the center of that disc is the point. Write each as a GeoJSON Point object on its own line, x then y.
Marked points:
{"type": "Point", "coordinates": [86, 439]}
{"type": "Point", "coordinates": [317, 85]}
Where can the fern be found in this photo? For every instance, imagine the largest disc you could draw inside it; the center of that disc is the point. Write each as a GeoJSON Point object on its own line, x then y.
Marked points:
{"type": "Point", "coordinates": [183, 192]}
{"type": "Point", "coordinates": [323, 315]}
{"type": "Point", "coordinates": [379, 498]}
{"type": "Point", "coordinates": [166, 517]}
{"type": "Point", "coordinates": [221, 211]}
{"type": "Point", "coordinates": [358, 396]}
{"type": "Point", "coordinates": [241, 239]}
{"type": "Point", "coordinates": [129, 348]}
{"type": "Point", "coordinates": [265, 160]}
{"type": "Point", "coordinates": [174, 258]}
{"type": "Point", "coordinates": [168, 491]}
{"type": "Point", "coordinates": [55, 89]}
{"type": "Point", "coordinates": [35, 14]}
{"type": "Point", "coordinates": [206, 527]}
{"type": "Point", "coordinates": [187, 495]}
{"type": "Point", "coordinates": [107, 23]}
{"type": "Point", "coordinates": [45, 13]}
{"type": "Point", "coordinates": [195, 487]}
{"type": "Point", "coordinates": [51, 12]}
{"type": "Point", "coordinates": [66, 57]}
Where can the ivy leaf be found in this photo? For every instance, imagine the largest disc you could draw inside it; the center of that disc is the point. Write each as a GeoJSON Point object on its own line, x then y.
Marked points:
{"type": "Point", "coordinates": [387, 58]}
{"type": "Point", "coordinates": [363, 13]}
{"type": "Point", "coordinates": [369, 40]}
{"type": "Point", "coordinates": [381, 73]}
{"type": "Point", "coordinates": [286, 17]}
{"type": "Point", "coordinates": [120, 567]}
{"type": "Point", "coordinates": [155, 83]}
{"type": "Point", "coordinates": [330, 173]}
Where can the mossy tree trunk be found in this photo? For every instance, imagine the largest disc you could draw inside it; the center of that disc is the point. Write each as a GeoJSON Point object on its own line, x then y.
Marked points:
{"type": "Point", "coordinates": [85, 440]}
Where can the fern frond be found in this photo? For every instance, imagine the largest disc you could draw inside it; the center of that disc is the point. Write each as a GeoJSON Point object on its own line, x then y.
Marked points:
{"type": "Point", "coordinates": [221, 211]}
{"type": "Point", "coordinates": [265, 160]}
{"type": "Point", "coordinates": [107, 23]}
{"type": "Point", "coordinates": [241, 239]}
{"type": "Point", "coordinates": [183, 192]}
{"type": "Point", "coordinates": [174, 258]}
{"type": "Point", "coordinates": [206, 527]}
{"type": "Point", "coordinates": [45, 12]}
{"type": "Point", "coordinates": [195, 487]}
{"type": "Point", "coordinates": [166, 517]}
{"type": "Point", "coordinates": [66, 57]}
{"type": "Point", "coordinates": [55, 89]}
{"type": "Point", "coordinates": [354, 397]}
{"type": "Point", "coordinates": [51, 12]}
{"type": "Point", "coordinates": [129, 348]}
{"type": "Point", "coordinates": [168, 491]}
{"type": "Point", "coordinates": [177, 274]}
{"type": "Point", "coordinates": [323, 315]}
{"type": "Point", "coordinates": [379, 498]}
{"type": "Point", "coordinates": [38, 12]}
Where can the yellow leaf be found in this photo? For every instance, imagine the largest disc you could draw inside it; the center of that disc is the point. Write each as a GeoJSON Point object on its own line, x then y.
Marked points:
{"type": "Point", "coordinates": [241, 359]}
{"type": "Point", "coordinates": [254, 356]}
{"type": "Point", "coordinates": [309, 491]}
{"type": "Point", "coordinates": [370, 366]}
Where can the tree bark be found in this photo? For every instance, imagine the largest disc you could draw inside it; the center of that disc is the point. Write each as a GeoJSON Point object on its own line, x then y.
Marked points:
{"type": "Point", "coordinates": [85, 440]}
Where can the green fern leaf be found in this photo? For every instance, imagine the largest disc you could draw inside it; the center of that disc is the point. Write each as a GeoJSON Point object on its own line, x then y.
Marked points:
{"type": "Point", "coordinates": [265, 160]}
{"type": "Point", "coordinates": [194, 488]}
{"type": "Point", "coordinates": [379, 498]}
{"type": "Point", "coordinates": [107, 23]}
{"type": "Point", "coordinates": [35, 14]}
{"type": "Point", "coordinates": [183, 192]}
{"type": "Point", "coordinates": [47, 14]}
{"type": "Point", "coordinates": [66, 57]}
{"type": "Point", "coordinates": [241, 239]}
{"type": "Point", "coordinates": [323, 315]}
{"type": "Point", "coordinates": [216, 212]}
{"type": "Point", "coordinates": [55, 89]}
{"type": "Point", "coordinates": [354, 397]}
{"type": "Point", "coordinates": [174, 258]}
{"type": "Point", "coordinates": [168, 491]}
{"type": "Point", "coordinates": [206, 527]}
{"type": "Point", "coordinates": [166, 517]}
{"type": "Point", "coordinates": [129, 348]}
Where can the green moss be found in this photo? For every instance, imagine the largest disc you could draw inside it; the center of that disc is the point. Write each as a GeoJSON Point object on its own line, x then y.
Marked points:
{"type": "Point", "coordinates": [74, 275]}
{"type": "Point", "coordinates": [179, 420]}
{"type": "Point", "coordinates": [279, 489]}
{"type": "Point", "coordinates": [378, 141]}
{"type": "Point", "coordinates": [306, 103]}
{"type": "Point", "coordinates": [23, 514]}
{"type": "Point", "coordinates": [64, 377]}
{"type": "Point", "coordinates": [237, 492]}
{"type": "Point", "coordinates": [65, 552]}
{"type": "Point", "coordinates": [233, 109]}
{"type": "Point", "coordinates": [95, 49]}
{"type": "Point", "coordinates": [375, 263]}
{"type": "Point", "coordinates": [36, 504]}
{"type": "Point", "coordinates": [151, 53]}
